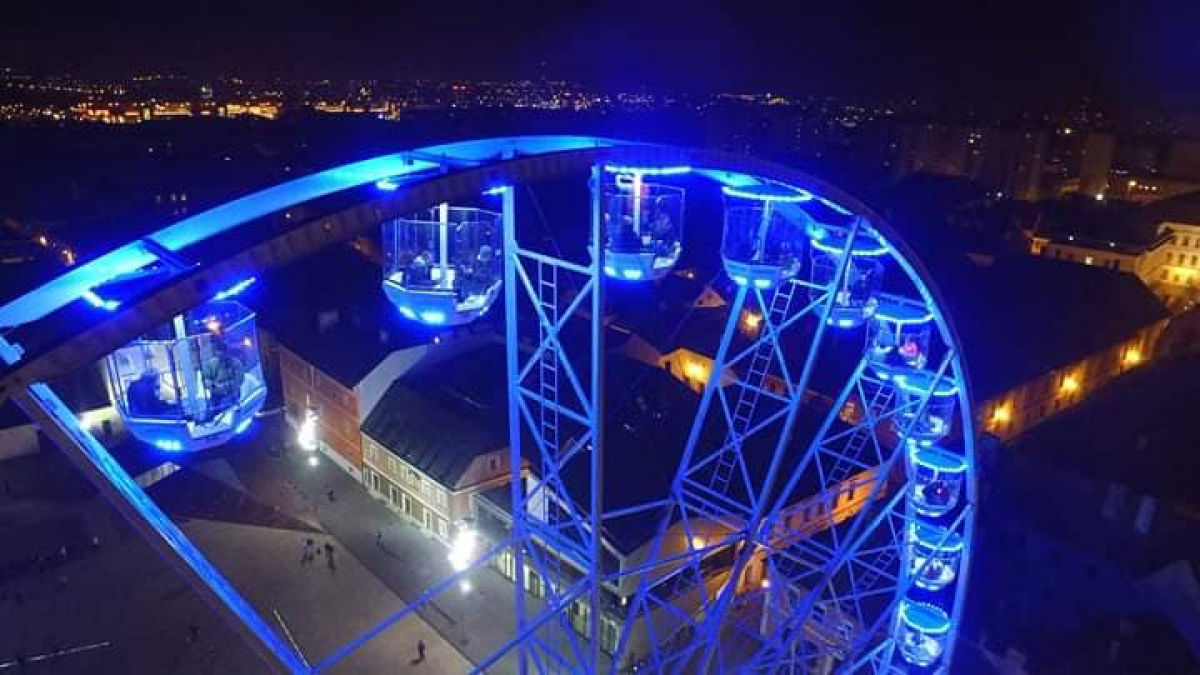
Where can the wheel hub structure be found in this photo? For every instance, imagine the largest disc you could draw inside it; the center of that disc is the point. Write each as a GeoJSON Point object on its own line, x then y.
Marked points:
{"type": "Point", "coordinates": [818, 516]}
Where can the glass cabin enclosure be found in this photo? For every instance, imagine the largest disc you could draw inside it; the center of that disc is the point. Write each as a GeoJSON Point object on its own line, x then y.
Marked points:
{"type": "Point", "coordinates": [443, 266]}
{"type": "Point", "coordinates": [764, 234]}
{"type": "Point", "coordinates": [898, 336]}
{"type": "Point", "coordinates": [856, 294]}
{"type": "Point", "coordinates": [922, 631]}
{"type": "Point", "coordinates": [642, 224]}
{"type": "Point", "coordinates": [933, 555]}
{"type": "Point", "coordinates": [928, 423]}
{"type": "Point", "coordinates": [935, 479]}
{"type": "Point", "coordinates": [191, 384]}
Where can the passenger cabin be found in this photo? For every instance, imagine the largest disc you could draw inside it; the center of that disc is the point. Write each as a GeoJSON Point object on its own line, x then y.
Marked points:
{"type": "Point", "coordinates": [642, 222]}
{"type": "Point", "coordinates": [856, 295]}
{"type": "Point", "coordinates": [194, 383]}
{"type": "Point", "coordinates": [765, 231]}
{"type": "Point", "coordinates": [443, 267]}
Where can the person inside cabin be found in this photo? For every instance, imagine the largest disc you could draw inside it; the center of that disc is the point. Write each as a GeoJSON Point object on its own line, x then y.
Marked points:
{"type": "Point", "coordinates": [142, 397]}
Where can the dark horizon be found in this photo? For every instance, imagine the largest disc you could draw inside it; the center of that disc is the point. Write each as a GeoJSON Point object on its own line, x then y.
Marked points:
{"type": "Point", "coordinates": [1028, 54]}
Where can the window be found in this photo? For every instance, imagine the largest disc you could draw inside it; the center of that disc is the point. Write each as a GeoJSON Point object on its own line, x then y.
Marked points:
{"type": "Point", "coordinates": [395, 495]}
{"type": "Point", "coordinates": [610, 632]}
{"type": "Point", "coordinates": [406, 505]}
{"type": "Point", "coordinates": [1194, 258]}
{"type": "Point", "coordinates": [414, 477]}
{"type": "Point", "coordinates": [443, 528]}
{"type": "Point", "coordinates": [442, 499]}
{"type": "Point", "coordinates": [494, 461]}
{"type": "Point", "coordinates": [426, 520]}
{"type": "Point", "coordinates": [1187, 241]}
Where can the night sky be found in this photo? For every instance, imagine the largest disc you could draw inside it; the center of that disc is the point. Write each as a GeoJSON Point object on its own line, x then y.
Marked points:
{"type": "Point", "coordinates": [1042, 52]}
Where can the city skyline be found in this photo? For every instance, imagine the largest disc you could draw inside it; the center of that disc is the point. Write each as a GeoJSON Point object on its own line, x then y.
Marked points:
{"type": "Point", "coordinates": [1032, 52]}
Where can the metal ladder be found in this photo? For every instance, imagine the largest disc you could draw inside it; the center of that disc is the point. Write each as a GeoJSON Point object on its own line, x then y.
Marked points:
{"type": "Point", "coordinates": [548, 366]}
{"type": "Point", "coordinates": [868, 579]}
{"type": "Point", "coordinates": [751, 390]}
{"type": "Point", "coordinates": [846, 464]}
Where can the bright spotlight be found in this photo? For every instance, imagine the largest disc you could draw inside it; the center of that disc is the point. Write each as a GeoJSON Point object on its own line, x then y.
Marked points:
{"type": "Point", "coordinates": [306, 437]}
{"type": "Point", "coordinates": [462, 548]}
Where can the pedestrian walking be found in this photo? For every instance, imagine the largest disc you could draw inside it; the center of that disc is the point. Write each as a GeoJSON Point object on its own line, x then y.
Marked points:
{"type": "Point", "coordinates": [329, 557]}
{"type": "Point", "coordinates": [330, 495]}
{"type": "Point", "coordinates": [378, 538]}
{"type": "Point", "coordinates": [420, 651]}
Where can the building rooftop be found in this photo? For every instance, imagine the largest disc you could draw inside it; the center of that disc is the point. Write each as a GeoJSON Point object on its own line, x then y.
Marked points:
{"type": "Point", "coordinates": [440, 419]}
{"type": "Point", "coordinates": [1147, 439]}
{"type": "Point", "coordinates": [329, 310]}
{"type": "Point", "coordinates": [1183, 208]}
{"type": "Point", "coordinates": [1022, 316]}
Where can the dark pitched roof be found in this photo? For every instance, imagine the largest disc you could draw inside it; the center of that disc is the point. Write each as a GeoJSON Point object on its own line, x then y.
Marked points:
{"type": "Point", "coordinates": [330, 310]}
{"type": "Point", "coordinates": [1021, 316]}
{"type": "Point", "coordinates": [432, 423]}
{"type": "Point", "coordinates": [1139, 431]}
{"type": "Point", "coordinates": [1183, 208]}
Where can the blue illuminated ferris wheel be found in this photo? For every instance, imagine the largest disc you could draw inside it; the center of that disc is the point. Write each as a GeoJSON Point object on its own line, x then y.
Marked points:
{"type": "Point", "coordinates": [819, 514]}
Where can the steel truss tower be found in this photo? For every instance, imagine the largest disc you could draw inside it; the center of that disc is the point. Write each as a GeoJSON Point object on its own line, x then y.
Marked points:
{"type": "Point", "coordinates": [820, 517]}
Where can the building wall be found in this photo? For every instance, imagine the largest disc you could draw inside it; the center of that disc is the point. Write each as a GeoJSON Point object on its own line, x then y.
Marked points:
{"type": "Point", "coordinates": [1013, 412]}
{"type": "Point", "coordinates": [1172, 268]}
{"type": "Point", "coordinates": [1099, 256]}
{"type": "Point", "coordinates": [337, 407]}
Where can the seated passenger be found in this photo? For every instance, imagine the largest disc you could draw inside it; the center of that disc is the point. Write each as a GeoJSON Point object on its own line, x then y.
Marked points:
{"type": "Point", "coordinates": [141, 396]}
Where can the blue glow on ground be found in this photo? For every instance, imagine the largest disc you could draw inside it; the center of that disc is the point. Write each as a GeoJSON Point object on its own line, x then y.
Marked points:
{"type": "Point", "coordinates": [187, 554]}
{"type": "Point", "coordinates": [762, 283]}
{"type": "Point", "coordinates": [740, 280]}
{"type": "Point", "coordinates": [610, 270]}
{"type": "Point", "coordinates": [388, 184]}
{"type": "Point", "coordinates": [407, 313]}
{"type": "Point", "coordinates": [433, 316]}
{"type": "Point", "coordinates": [243, 425]}
{"type": "Point", "coordinates": [495, 191]}
{"type": "Point", "coordinates": [632, 274]}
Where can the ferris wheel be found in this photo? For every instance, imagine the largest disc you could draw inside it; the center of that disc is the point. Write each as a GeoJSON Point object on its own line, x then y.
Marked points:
{"type": "Point", "coordinates": [818, 516]}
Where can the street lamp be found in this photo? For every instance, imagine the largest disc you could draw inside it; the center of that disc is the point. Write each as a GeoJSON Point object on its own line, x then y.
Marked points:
{"type": "Point", "coordinates": [306, 437]}
{"type": "Point", "coordinates": [463, 547]}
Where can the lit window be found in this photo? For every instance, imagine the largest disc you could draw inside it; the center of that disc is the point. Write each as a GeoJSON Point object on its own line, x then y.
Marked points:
{"type": "Point", "coordinates": [695, 370]}
{"type": "Point", "coordinates": [1133, 356]}
{"type": "Point", "coordinates": [1069, 385]}
{"type": "Point", "coordinates": [1001, 414]}
{"type": "Point", "coordinates": [1087, 260]}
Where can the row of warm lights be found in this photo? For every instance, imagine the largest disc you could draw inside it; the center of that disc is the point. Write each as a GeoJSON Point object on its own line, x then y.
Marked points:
{"type": "Point", "coordinates": [1002, 414]}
